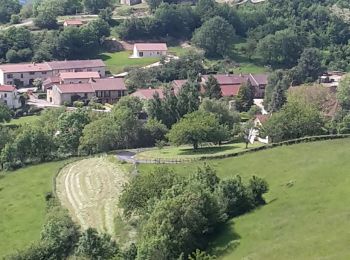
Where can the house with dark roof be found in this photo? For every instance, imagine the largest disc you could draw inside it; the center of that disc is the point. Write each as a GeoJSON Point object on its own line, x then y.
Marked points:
{"type": "Point", "coordinates": [142, 50]}
{"type": "Point", "coordinates": [230, 83]}
{"type": "Point", "coordinates": [9, 96]}
{"type": "Point", "coordinates": [106, 90]}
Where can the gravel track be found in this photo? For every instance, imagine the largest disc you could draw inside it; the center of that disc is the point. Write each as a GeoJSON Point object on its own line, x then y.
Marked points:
{"type": "Point", "coordinates": [89, 189]}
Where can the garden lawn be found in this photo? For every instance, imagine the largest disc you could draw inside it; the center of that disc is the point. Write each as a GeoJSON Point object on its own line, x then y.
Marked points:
{"type": "Point", "coordinates": [307, 215]}
{"type": "Point", "coordinates": [22, 205]}
{"type": "Point", "coordinates": [117, 61]}
{"type": "Point", "coordinates": [187, 152]}
{"type": "Point", "coordinates": [23, 120]}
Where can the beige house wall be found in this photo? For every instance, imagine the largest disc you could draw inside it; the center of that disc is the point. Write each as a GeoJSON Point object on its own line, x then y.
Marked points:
{"type": "Point", "coordinates": [25, 77]}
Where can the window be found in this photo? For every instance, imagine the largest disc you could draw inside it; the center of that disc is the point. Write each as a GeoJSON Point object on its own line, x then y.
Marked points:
{"type": "Point", "coordinates": [9, 82]}
{"type": "Point", "coordinates": [21, 75]}
{"type": "Point", "coordinates": [107, 93]}
{"type": "Point", "coordinates": [9, 76]}
{"type": "Point", "coordinates": [85, 95]}
{"type": "Point", "coordinates": [5, 101]}
{"type": "Point", "coordinates": [44, 72]}
{"type": "Point", "coordinates": [158, 52]}
{"type": "Point", "coordinates": [31, 73]}
{"type": "Point", "coordinates": [141, 53]}
{"type": "Point", "coordinates": [5, 95]}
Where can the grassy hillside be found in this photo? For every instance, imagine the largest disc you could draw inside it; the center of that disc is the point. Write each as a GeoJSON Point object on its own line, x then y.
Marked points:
{"type": "Point", "coordinates": [307, 215]}
{"type": "Point", "coordinates": [22, 205]}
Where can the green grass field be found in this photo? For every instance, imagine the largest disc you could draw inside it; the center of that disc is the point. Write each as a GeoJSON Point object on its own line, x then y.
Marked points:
{"type": "Point", "coordinates": [307, 213]}
{"type": "Point", "coordinates": [186, 152]}
{"type": "Point", "coordinates": [117, 61]}
{"type": "Point", "coordinates": [22, 205]}
{"type": "Point", "coordinates": [23, 120]}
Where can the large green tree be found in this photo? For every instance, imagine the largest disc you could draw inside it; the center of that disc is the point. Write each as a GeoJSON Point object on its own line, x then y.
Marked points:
{"type": "Point", "coordinates": [343, 93]}
{"type": "Point", "coordinates": [296, 119]}
{"type": "Point", "coordinates": [70, 129]}
{"type": "Point", "coordinates": [215, 37]}
{"type": "Point", "coordinates": [212, 88]}
{"type": "Point", "coordinates": [196, 128]}
{"type": "Point", "coordinates": [245, 97]}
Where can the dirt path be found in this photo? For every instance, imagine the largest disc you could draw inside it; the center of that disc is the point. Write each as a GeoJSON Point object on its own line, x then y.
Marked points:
{"type": "Point", "coordinates": [89, 189]}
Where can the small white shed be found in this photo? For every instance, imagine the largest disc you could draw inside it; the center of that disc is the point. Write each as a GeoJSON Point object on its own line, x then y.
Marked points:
{"type": "Point", "coordinates": [142, 50]}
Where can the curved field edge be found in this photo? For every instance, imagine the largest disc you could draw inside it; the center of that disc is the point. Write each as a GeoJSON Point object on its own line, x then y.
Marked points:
{"type": "Point", "coordinates": [22, 204]}
{"type": "Point", "coordinates": [89, 189]}
{"type": "Point", "coordinates": [307, 215]}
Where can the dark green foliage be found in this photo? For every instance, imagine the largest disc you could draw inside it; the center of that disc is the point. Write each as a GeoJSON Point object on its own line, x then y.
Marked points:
{"type": "Point", "coordinates": [222, 111]}
{"type": "Point", "coordinates": [8, 8]}
{"type": "Point", "coordinates": [343, 93]}
{"type": "Point", "coordinates": [96, 246]}
{"type": "Point", "coordinates": [215, 37]}
{"type": "Point", "coordinates": [183, 212]}
{"type": "Point", "coordinates": [212, 88]}
{"type": "Point", "coordinates": [5, 113]}
{"type": "Point", "coordinates": [93, 6]}
{"type": "Point", "coordinates": [295, 119]}
{"type": "Point", "coordinates": [145, 188]}
{"type": "Point", "coordinates": [275, 93]}
{"type": "Point", "coordinates": [245, 97]}
{"type": "Point", "coordinates": [196, 128]}
{"type": "Point", "coordinates": [309, 66]}
{"type": "Point", "coordinates": [70, 129]}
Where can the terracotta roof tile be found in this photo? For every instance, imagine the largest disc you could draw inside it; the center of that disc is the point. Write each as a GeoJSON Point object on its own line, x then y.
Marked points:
{"type": "Point", "coordinates": [108, 84]}
{"type": "Point", "coordinates": [148, 93]}
{"type": "Point", "coordinates": [25, 67]}
{"type": "Point", "coordinates": [7, 88]}
{"type": "Point", "coordinates": [151, 46]}
{"type": "Point", "coordinates": [75, 88]}
{"type": "Point", "coordinates": [79, 75]}
{"type": "Point", "coordinates": [75, 64]}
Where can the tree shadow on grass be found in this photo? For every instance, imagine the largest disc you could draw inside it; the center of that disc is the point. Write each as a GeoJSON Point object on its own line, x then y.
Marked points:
{"type": "Point", "coordinates": [206, 150]}
{"type": "Point", "coordinates": [225, 240]}
{"type": "Point", "coordinates": [104, 57]}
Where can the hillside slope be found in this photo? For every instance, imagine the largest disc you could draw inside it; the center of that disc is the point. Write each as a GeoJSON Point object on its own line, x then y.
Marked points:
{"type": "Point", "coordinates": [307, 215]}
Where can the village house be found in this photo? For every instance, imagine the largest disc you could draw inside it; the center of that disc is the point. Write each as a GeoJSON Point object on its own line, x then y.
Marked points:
{"type": "Point", "coordinates": [130, 2]}
{"type": "Point", "coordinates": [230, 83]}
{"type": "Point", "coordinates": [24, 74]}
{"type": "Point", "coordinates": [106, 90]}
{"type": "Point", "coordinates": [148, 93]}
{"type": "Point", "coordinates": [73, 23]}
{"type": "Point", "coordinates": [9, 96]}
{"type": "Point", "coordinates": [142, 50]}
{"type": "Point", "coordinates": [331, 80]}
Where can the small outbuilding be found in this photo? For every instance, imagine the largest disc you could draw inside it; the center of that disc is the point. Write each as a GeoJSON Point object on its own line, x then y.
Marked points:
{"type": "Point", "coordinates": [73, 23]}
{"type": "Point", "coordinates": [142, 50]}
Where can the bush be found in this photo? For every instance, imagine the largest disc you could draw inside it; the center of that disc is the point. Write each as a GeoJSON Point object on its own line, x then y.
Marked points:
{"type": "Point", "coordinates": [15, 19]}
{"type": "Point", "coordinates": [78, 104]}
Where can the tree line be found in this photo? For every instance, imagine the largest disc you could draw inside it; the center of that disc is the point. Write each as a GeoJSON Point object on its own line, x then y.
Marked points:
{"type": "Point", "coordinates": [21, 45]}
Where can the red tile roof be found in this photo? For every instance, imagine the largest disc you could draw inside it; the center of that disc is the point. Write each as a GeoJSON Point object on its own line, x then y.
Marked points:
{"type": "Point", "coordinates": [229, 90]}
{"type": "Point", "coordinates": [148, 93]}
{"type": "Point", "coordinates": [73, 22]}
{"type": "Point", "coordinates": [75, 88]}
{"type": "Point", "coordinates": [151, 46]}
{"type": "Point", "coordinates": [24, 67]}
{"type": "Point", "coordinates": [229, 79]}
{"type": "Point", "coordinates": [108, 84]}
{"type": "Point", "coordinates": [79, 75]}
{"type": "Point", "coordinates": [7, 88]}
{"type": "Point", "coordinates": [178, 84]}
{"type": "Point", "coordinates": [262, 118]}
{"type": "Point", "coordinates": [75, 64]}
{"type": "Point", "coordinates": [258, 79]}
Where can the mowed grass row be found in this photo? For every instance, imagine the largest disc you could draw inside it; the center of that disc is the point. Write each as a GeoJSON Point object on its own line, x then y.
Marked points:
{"type": "Point", "coordinates": [307, 215]}
{"type": "Point", "coordinates": [22, 205]}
